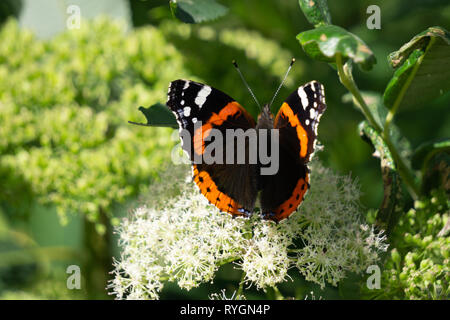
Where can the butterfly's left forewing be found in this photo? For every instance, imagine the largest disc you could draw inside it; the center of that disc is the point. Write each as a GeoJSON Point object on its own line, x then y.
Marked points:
{"type": "Point", "coordinates": [297, 122]}
{"type": "Point", "coordinates": [198, 109]}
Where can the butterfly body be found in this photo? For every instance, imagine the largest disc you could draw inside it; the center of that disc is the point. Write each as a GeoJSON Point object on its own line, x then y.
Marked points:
{"type": "Point", "coordinates": [234, 185]}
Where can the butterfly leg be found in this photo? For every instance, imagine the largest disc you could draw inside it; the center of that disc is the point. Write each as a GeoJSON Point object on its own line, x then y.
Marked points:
{"type": "Point", "coordinates": [246, 212]}
{"type": "Point", "coordinates": [268, 215]}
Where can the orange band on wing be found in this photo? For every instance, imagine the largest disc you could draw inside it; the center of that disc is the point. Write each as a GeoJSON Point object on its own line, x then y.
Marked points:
{"type": "Point", "coordinates": [199, 137]}
{"type": "Point", "coordinates": [295, 123]}
{"type": "Point", "coordinates": [209, 189]}
{"type": "Point", "coordinates": [291, 204]}
{"type": "Point", "coordinates": [231, 109]}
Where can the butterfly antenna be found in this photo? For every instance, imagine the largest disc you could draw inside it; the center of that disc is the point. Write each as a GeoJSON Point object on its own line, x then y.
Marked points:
{"type": "Point", "coordinates": [282, 82]}
{"type": "Point", "coordinates": [246, 84]}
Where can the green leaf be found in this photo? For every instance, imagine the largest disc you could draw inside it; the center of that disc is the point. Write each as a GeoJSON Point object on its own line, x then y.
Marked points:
{"type": "Point", "coordinates": [9, 8]}
{"type": "Point", "coordinates": [316, 11]}
{"type": "Point", "coordinates": [195, 11]}
{"type": "Point", "coordinates": [326, 42]}
{"type": "Point", "coordinates": [390, 208]}
{"type": "Point", "coordinates": [158, 115]}
{"type": "Point", "coordinates": [433, 159]}
{"type": "Point", "coordinates": [427, 150]}
{"type": "Point", "coordinates": [423, 73]}
{"type": "Point", "coordinates": [436, 174]}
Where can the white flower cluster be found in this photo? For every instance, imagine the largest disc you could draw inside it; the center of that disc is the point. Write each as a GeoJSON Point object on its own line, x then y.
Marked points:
{"type": "Point", "coordinates": [184, 239]}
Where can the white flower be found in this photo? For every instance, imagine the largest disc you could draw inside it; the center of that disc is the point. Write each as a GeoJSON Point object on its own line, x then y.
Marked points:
{"type": "Point", "coordinates": [184, 239]}
{"type": "Point", "coordinates": [222, 296]}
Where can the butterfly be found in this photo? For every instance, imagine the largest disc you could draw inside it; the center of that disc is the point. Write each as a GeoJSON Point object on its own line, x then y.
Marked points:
{"type": "Point", "coordinates": [235, 187]}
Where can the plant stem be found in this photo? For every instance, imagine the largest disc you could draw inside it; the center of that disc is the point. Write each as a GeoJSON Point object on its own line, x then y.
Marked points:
{"type": "Point", "coordinates": [241, 285]}
{"type": "Point", "coordinates": [403, 170]}
{"type": "Point", "coordinates": [278, 294]}
{"type": "Point", "coordinates": [346, 79]}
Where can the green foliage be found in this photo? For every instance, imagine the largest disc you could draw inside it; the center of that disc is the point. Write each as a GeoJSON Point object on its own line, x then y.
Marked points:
{"type": "Point", "coordinates": [423, 154]}
{"type": "Point", "coordinates": [195, 11]}
{"type": "Point", "coordinates": [333, 44]}
{"type": "Point", "coordinates": [418, 266]}
{"type": "Point", "coordinates": [241, 44]}
{"type": "Point", "coordinates": [65, 103]}
{"type": "Point", "coordinates": [64, 109]}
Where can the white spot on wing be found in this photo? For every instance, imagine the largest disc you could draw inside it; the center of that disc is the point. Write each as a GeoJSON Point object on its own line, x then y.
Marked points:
{"type": "Point", "coordinates": [186, 111]}
{"type": "Point", "coordinates": [303, 97]}
{"type": "Point", "coordinates": [202, 95]}
{"type": "Point", "coordinates": [186, 85]}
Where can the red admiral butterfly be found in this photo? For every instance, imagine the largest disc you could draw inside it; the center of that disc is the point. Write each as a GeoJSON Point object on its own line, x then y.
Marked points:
{"type": "Point", "coordinates": [234, 188]}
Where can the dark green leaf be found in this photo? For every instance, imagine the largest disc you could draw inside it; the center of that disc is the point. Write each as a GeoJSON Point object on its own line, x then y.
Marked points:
{"type": "Point", "coordinates": [436, 174]}
{"type": "Point", "coordinates": [10, 8]}
{"type": "Point", "coordinates": [423, 73]}
{"type": "Point", "coordinates": [158, 115]}
{"type": "Point", "coordinates": [391, 206]}
{"type": "Point", "coordinates": [427, 150]}
{"type": "Point", "coordinates": [316, 11]}
{"type": "Point", "coordinates": [195, 11]}
{"type": "Point", "coordinates": [326, 42]}
{"type": "Point", "coordinates": [350, 287]}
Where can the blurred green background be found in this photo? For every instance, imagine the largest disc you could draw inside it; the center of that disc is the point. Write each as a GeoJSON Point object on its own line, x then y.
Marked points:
{"type": "Point", "coordinates": [70, 164]}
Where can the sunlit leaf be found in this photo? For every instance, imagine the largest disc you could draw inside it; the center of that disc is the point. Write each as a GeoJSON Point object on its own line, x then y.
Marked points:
{"type": "Point", "coordinates": [326, 42]}
{"type": "Point", "coordinates": [316, 11]}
